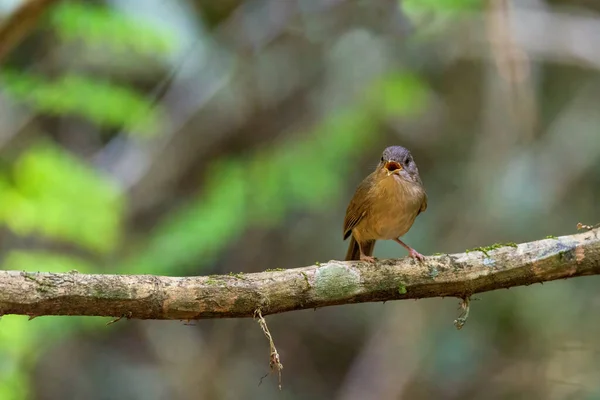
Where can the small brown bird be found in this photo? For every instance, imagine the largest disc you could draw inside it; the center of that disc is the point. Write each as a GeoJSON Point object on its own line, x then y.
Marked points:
{"type": "Point", "coordinates": [385, 205]}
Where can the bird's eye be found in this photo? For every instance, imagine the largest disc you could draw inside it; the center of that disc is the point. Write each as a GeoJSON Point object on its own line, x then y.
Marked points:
{"type": "Point", "coordinates": [407, 161]}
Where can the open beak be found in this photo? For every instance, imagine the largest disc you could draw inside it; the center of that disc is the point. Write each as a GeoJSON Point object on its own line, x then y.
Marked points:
{"type": "Point", "coordinates": [392, 167]}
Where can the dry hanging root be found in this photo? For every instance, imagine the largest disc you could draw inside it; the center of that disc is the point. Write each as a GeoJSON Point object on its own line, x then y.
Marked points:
{"type": "Point", "coordinates": [462, 319]}
{"type": "Point", "coordinates": [274, 362]}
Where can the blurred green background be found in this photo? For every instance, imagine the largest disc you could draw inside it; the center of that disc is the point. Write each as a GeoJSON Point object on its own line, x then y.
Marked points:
{"type": "Point", "coordinates": [197, 137]}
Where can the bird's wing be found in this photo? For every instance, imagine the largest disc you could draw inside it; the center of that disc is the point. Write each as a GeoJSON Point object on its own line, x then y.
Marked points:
{"type": "Point", "coordinates": [357, 209]}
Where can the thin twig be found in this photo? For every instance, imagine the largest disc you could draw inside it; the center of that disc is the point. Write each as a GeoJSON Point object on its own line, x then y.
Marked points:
{"type": "Point", "coordinates": [118, 319]}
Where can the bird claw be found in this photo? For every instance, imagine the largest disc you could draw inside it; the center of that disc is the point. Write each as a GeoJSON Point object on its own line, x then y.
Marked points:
{"type": "Point", "coordinates": [411, 252]}
{"type": "Point", "coordinates": [416, 255]}
{"type": "Point", "coordinates": [367, 258]}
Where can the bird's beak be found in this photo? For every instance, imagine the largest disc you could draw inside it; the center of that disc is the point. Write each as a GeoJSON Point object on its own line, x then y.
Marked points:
{"type": "Point", "coordinates": [392, 167]}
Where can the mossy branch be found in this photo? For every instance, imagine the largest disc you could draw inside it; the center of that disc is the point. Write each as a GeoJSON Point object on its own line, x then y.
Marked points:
{"type": "Point", "coordinates": [276, 291]}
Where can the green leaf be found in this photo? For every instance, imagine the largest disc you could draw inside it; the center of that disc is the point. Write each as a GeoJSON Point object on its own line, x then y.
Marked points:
{"type": "Point", "coordinates": [97, 25]}
{"type": "Point", "coordinates": [101, 102]}
{"type": "Point", "coordinates": [57, 196]}
{"type": "Point", "coordinates": [441, 6]}
{"type": "Point", "coordinates": [432, 16]}
{"type": "Point", "coordinates": [399, 93]}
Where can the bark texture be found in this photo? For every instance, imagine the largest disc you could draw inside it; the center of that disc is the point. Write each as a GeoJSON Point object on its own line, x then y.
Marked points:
{"type": "Point", "coordinates": [332, 283]}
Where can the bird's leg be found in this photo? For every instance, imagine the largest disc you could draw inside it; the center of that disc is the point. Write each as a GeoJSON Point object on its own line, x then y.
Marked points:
{"type": "Point", "coordinates": [411, 252]}
{"type": "Point", "coordinates": [364, 257]}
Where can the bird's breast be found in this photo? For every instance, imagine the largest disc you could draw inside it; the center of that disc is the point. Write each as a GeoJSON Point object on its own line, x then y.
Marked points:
{"type": "Point", "coordinates": [395, 206]}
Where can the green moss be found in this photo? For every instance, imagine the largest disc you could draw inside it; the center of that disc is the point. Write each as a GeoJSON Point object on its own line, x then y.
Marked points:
{"type": "Point", "coordinates": [237, 275]}
{"type": "Point", "coordinates": [551, 237]}
{"type": "Point", "coordinates": [402, 288]}
{"type": "Point", "coordinates": [212, 281]}
{"type": "Point", "coordinates": [492, 247]}
{"type": "Point", "coordinates": [335, 282]}
{"type": "Point", "coordinates": [274, 269]}
{"type": "Point", "coordinates": [439, 254]}
{"type": "Point", "coordinates": [318, 264]}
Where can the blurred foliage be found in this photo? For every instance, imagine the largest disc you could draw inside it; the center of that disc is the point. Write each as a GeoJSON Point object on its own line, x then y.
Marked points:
{"type": "Point", "coordinates": [52, 197]}
{"type": "Point", "coordinates": [57, 196]}
{"type": "Point", "coordinates": [51, 193]}
{"type": "Point", "coordinates": [432, 16]}
{"type": "Point", "coordinates": [441, 6]}
{"type": "Point", "coordinates": [100, 26]}
{"type": "Point", "coordinates": [103, 103]}
{"type": "Point", "coordinates": [260, 189]}
{"type": "Point", "coordinates": [214, 12]}
{"type": "Point", "coordinates": [22, 340]}
{"type": "Point", "coordinates": [16, 340]}
{"type": "Point", "coordinates": [21, 260]}
{"type": "Point", "coordinates": [399, 93]}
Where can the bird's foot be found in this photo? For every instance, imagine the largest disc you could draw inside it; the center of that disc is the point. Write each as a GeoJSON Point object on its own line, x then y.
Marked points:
{"type": "Point", "coordinates": [368, 259]}
{"type": "Point", "coordinates": [416, 255]}
{"type": "Point", "coordinates": [411, 252]}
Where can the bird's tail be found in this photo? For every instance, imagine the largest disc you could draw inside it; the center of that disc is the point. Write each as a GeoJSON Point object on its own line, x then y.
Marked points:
{"type": "Point", "coordinates": [353, 252]}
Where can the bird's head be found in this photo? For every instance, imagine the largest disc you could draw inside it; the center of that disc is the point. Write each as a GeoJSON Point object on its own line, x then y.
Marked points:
{"type": "Point", "coordinates": [397, 160]}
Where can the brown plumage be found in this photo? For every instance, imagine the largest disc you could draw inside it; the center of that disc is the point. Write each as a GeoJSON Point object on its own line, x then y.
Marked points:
{"type": "Point", "coordinates": [385, 205]}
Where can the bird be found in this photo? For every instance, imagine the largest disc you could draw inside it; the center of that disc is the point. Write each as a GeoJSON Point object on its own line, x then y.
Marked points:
{"type": "Point", "coordinates": [385, 205]}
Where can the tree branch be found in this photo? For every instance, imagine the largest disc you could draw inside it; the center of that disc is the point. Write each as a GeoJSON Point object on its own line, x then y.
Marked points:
{"type": "Point", "coordinates": [20, 23]}
{"type": "Point", "coordinates": [270, 292]}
